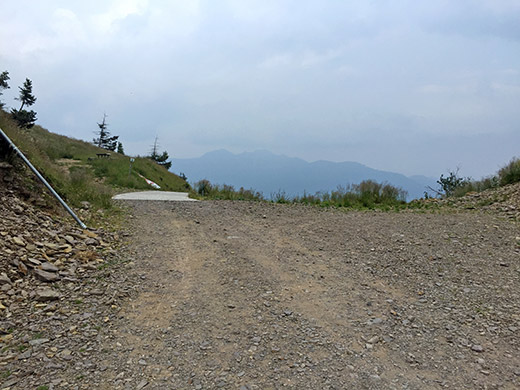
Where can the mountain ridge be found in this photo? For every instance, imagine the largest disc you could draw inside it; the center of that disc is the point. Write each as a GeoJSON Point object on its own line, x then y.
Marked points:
{"type": "Point", "coordinates": [271, 173]}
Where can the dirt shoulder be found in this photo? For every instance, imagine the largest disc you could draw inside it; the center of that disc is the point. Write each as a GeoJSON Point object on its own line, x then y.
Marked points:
{"type": "Point", "coordinates": [239, 295]}
{"type": "Point", "coordinates": [262, 296]}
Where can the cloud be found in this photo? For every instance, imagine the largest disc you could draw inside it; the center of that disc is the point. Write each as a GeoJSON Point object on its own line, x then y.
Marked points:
{"type": "Point", "coordinates": [277, 61]}
{"type": "Point", "coordinates": [477, 19]}
{"type": "Point", "coordinates": [302, 78]}
{"type": "Point", "coordinates": [304, 59]}
{"type": "Point", "coordinates": [107, 21]}
{"type": "Point", "coordinates": [448, 89]}
{"type": "Point", "coordinates": [67, 27]}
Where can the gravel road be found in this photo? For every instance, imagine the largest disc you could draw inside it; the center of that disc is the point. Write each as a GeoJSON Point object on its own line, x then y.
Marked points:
{"type": "Point", "coordinates": [238, 295]}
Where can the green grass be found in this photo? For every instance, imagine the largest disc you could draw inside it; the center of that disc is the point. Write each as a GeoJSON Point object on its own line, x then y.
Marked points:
{"type": "Point", "coordinates": [22, 347]}
{"type": "Point", "coordinates": [203, 189]}
{"type": "Point", "coordinates": [118, 173]}
{"type": "Point", "coordinates": [367, 195]}
{"type": "Point", "coordinates": [5, 374]}
{"type": "Point", "coordinates": [83, 176]}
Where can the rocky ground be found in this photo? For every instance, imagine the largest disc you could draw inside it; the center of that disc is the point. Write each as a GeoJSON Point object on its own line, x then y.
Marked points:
{"type": "Point", "coordinates": [504, 201]}
{"type": "Point", "coordinates": [238, 295]}
{"type": "Point", "coordinates": [58, 291]}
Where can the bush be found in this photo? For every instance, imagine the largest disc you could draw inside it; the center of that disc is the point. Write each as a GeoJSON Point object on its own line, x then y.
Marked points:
{"type": "Point", "coordinates": [280, 197]}
{"type": "Point", "coordinates": [371, 193]}
{"type": "Point", "coordinates": [366, 195]}
{"type": "Point", "coordinates": [309, 199]}
{"type": "Point", "coordinates": [452, 184]}
{"type": "Point", "coordinates": [203, 187]}
{"type": "Point", "coordinates": [510, 173]}
{"type": "Point", "coordinates": [477, 186]}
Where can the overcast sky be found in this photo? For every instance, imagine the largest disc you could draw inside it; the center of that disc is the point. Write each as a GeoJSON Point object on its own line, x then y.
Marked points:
{"type": "Point", "coordinates": [416, 87]}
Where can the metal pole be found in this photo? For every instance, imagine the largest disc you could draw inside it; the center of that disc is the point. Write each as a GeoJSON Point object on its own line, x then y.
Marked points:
{"type": "Point", "coordinates": [130, 169]}
{"type": "Point", "coordinates": [42, 179]}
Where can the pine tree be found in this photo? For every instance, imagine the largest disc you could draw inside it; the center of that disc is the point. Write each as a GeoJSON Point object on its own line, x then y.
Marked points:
{"type": "Point", "coordinates": [155, 147]}
{"type": "Point", "coordinates": [160, 159]}
{"type": "Point", "coordinates": [26, 96]}
{"type": "Point", "coordinates": [104, 140]}
{"type": "Point", "coordinates": [120, 149]}
{"type": "Point", "coordinates": [25, 118]}
{"type": "Point", "coordinates": [4, 78]}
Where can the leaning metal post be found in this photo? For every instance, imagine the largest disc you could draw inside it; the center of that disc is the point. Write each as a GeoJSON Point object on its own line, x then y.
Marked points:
{"type": "Point", "coordinates": [42, 179]}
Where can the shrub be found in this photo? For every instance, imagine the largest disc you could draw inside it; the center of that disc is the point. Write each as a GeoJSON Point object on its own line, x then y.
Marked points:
{"type": "Point", "coordinates": [309, 199]}
{"type": "Point", "coordinates": [203, 187]}
{"type": "Point", "coordinates": [249, 194]}
{"type": "Point", "coordinates": [486, 183]}
{"type": "Point", "coordinates": [477, 186]}
{"type": "Point", "coordinates": [371, 193]}
{"type": "Point", "coordinates": [392, 194]}
{"type": "Point", "coordinates": [280, 197]}
{"type": "Point", "coordinates": [510, 173]}
{"type": "Point", "coordinates": [451, 185]}
{"type": "Point", "coordinates": [366, 195]}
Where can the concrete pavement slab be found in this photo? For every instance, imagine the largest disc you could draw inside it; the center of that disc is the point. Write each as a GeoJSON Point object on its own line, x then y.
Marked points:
{"type": "Point", "coordinates": [155, 195]}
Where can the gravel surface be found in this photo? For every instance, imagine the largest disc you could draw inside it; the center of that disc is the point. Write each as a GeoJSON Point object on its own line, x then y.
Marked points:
{"type": "Point", "coordinates": [60, 288]}
{"type": "Point", "coordinates": [239, 295]}
{"type": "Point", "coordinates": [259, 296]}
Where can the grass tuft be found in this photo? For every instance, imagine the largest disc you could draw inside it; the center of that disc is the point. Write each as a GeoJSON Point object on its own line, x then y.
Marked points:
{"type": "Point", "coordinates": [510, 173]}
{"type": "Point", "coordinates": [203, 189]}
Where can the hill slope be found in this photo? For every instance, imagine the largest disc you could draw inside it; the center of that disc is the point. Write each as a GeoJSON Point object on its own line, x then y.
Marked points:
{"type": "Point", "coordinates": [270, 173]}
{"type": "Point", "coordinates": [72, 167]}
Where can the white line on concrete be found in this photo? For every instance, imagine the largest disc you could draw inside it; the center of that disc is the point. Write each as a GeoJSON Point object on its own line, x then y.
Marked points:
{"type": "Point", "coordinates": [155, 195]}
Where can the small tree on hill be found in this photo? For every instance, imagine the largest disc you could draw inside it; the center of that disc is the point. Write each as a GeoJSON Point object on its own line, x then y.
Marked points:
{"type": "Point", "coordinates": [4, 78]}
{"type": "Point", "coordinates": [120, 149]}
{"type": "Point", "coordinates": [25, 118]}
{"type": "Point", "coordinates": [450, 184]}
{"type": "Point", "coordinates": [104, 140]}
{"type": "Point", "coordinates": [160, 159]}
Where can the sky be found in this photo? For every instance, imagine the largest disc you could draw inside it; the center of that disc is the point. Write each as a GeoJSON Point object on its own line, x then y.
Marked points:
{"type": "Point", "coordinates": [411, 86]}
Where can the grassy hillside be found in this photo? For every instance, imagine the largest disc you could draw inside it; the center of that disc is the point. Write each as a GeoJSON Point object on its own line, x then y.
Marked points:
{"type": "Point", "coordinates": [77, 174]}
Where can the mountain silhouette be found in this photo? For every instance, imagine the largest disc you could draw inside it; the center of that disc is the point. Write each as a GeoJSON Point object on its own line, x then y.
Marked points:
{"type": "Point", "coordinates": [270, 173]}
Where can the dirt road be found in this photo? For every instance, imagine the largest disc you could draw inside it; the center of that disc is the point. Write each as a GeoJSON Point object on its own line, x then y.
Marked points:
{"type": "Point", "coordinates": [238, 295]}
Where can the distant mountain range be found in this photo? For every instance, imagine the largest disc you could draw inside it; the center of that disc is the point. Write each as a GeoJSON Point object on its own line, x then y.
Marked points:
{"type": "Point", "coordinates": [270, 173]}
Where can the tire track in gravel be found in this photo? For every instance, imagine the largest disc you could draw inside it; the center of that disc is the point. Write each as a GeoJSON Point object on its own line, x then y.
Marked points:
{"type": "Point", "coordinates": [241, 295]}
{"type": "Point", "coordinates": [326, 290]}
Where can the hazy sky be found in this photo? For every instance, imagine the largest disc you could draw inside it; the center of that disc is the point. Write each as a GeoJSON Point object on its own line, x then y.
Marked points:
{"type": "Point", "coordinates": [416, 87]}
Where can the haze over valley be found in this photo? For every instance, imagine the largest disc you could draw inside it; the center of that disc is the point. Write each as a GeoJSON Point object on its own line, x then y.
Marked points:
{"type": "Point", "coordinates": [270, 173]}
